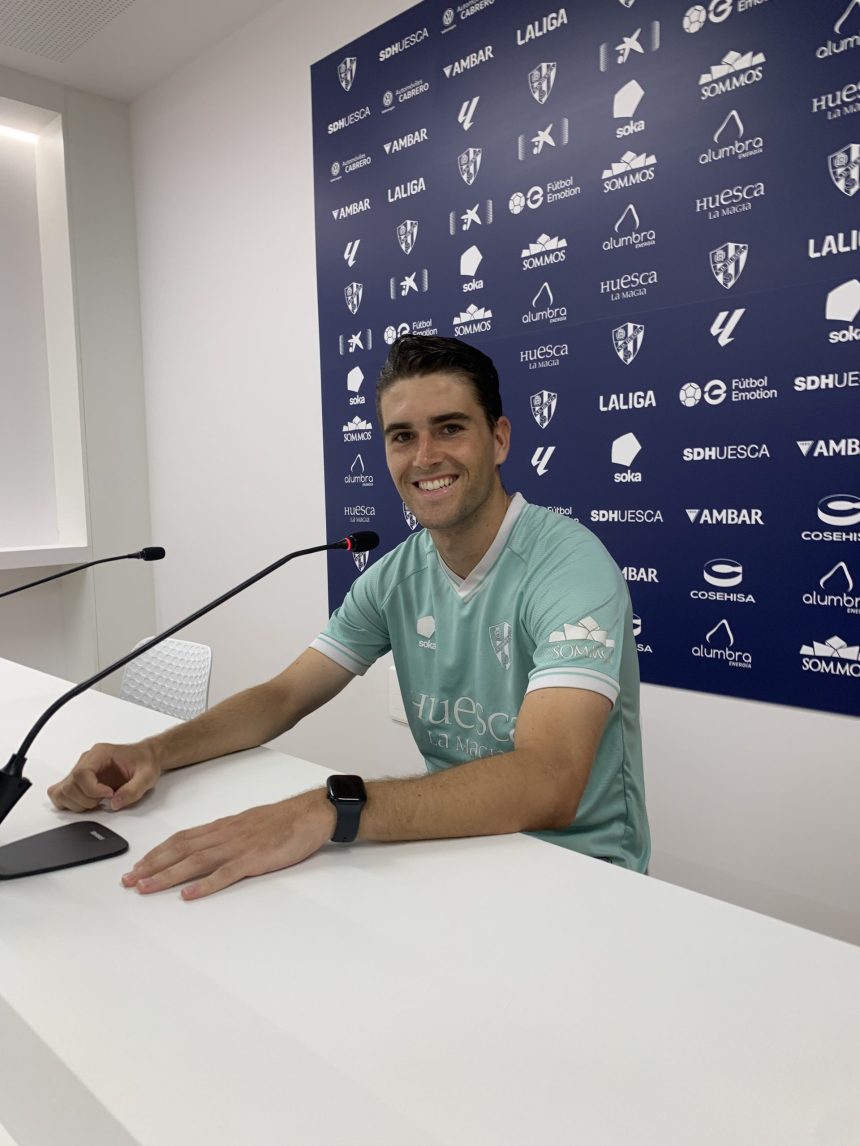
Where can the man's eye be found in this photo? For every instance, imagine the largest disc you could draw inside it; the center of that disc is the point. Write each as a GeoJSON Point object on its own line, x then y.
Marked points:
{"type": "Point", "coordinates": [451, 428]}
{"type": "Point", "coordinates": [400, 437]}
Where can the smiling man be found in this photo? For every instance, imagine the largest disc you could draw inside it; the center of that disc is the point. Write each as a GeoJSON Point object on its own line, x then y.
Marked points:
{"type": "Point", "coordinates": [512, 636]}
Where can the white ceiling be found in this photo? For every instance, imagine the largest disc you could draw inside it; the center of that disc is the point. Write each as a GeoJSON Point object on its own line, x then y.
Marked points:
{"type": "Point", "coordinates": [115, 48]}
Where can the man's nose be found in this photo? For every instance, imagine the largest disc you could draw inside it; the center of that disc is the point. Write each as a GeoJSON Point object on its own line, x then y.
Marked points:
{"type": "Point", "coordinates": [427, 451]}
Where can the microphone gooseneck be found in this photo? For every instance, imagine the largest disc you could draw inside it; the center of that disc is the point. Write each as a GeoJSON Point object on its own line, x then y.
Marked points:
{"type": "Point", "coordinates": [153, 553]}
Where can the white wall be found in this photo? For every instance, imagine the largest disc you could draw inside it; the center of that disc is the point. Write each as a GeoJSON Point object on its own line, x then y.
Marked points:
{"type": "Point", "coordinates": [750, 802]}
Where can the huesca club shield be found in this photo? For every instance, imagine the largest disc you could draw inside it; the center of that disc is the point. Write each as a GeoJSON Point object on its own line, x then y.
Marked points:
{"type": "Point", "coordinates": [844, 167]}
{"type": "Point", "coordinates": [500, 639]}
{"type": "Point", "coordinates": [346, 72]}
{"type": "Point", "coordinates": [627, 340]}
{"type": "Point", "coordinates": [360, 560]}
{"type": "Point", "coordinates": [409, 516]}
{"type": "Point", "coordinates": [543, 407]}
{"type": "Point", "coordinates": [352, 293]}
{"type": "Point", "coordinates": [541, 80]}
{"type": "Point", "coordinates": [407, 233]}
{"type": "Point", "coordinates": [469, 163]}
{"type": "Point", "coordinates": [728, 262]}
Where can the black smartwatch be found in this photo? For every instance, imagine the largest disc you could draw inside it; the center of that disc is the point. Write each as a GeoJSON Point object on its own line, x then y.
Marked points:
{"type": "Point", "coordinates": [349, 795]}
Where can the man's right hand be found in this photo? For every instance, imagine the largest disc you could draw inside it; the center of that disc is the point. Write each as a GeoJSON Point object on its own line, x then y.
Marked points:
{"type": "Point", "coordinates": [118, 773]}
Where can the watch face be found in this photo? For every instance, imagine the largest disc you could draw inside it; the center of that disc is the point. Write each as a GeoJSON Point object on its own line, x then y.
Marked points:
{"type": "Point", "coordinates": [347, 789]}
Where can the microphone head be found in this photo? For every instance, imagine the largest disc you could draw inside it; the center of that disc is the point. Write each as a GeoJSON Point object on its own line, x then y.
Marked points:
{"type": "Point", "coordinates": [361, 541]}
{"type": "Point", "coordinates": [152, 553]}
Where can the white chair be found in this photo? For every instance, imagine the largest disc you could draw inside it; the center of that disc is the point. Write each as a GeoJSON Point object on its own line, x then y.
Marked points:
{"type": "Point", "coordinates": [172, 678]}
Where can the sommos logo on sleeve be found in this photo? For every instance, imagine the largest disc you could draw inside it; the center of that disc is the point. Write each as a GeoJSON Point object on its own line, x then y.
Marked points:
{"type": "Point", "coordinates": [585, 639]}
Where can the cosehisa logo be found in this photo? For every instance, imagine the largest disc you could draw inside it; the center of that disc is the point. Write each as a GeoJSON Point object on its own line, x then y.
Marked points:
{"type": "Point", "coordinates": [838, 509]}
{"type": "Point", "coordinates": [724, 574]}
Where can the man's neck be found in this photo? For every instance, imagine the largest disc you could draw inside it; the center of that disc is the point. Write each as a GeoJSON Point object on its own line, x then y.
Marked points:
{"type": "Point", "coordinates": [462, 547]}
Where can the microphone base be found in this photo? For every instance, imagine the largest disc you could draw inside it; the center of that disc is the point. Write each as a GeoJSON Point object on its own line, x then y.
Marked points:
{"type": "Point", "coordinates": [69, 846]}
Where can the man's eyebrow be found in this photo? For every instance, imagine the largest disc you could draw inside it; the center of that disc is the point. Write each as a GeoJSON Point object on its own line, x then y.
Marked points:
{"type": "Point", "coordinates": [436, 420]}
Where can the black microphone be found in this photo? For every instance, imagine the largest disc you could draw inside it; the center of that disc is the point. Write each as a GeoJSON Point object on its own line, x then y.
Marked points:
{"type": "Point", "coordinates": [86, 840]}
{"type": "Point", "coordinates": [153, 553]}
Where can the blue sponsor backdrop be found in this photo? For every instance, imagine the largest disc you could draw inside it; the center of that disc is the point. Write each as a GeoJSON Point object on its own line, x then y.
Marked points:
{"type": "Point", "coordinates": [646, 212]}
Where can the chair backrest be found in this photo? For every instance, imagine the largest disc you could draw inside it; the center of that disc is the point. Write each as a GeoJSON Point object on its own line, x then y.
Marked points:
{"type": "Point", "coordinates": [172, 678]}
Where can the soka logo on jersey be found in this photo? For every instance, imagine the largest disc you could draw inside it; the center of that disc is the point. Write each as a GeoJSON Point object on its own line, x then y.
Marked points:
{"type": "Point", "coordinates": [846, 33]}
{"type": "Point", "coordinates": [625, 105]}
{"type": "Point", "coordinates": [346, 72]}
{"type": "Point", "coordinates": [838, 103]}
{"type": "Point", "coordinates": [473, 320]}
{"type": "Point", "coordinates": [426, 628]}
{"type": "Point", "coordinates": [542, 81]}
{"type": "Point", "coordinates": [358, 430]}
{"type": "Point", "coordinates": [729, 142]}
{"type": "Point", "coordinates": [551, 22]}
{"type": "Point", "coordinates": [641, 42]}
{"type": "Point", "coordinates": [835, 590]}
{"type": "Point", "coordinates": [727, 263]}
{"type": "Point", "coordinates": [585, 640]}
{"type": "Point", "coordinates": [725, 516]}
{"type": "Point", "coordinates": [466, 63]}
{"type": "Point", "coordinates": [480, 215]}
{"type": "Point", "coordinates": [357, 474]}
{"type": "Point", "coordinates": [625, 450]}
{"type": "Point", "coordinates": [736, 70]}
{"type": "Point", "coordinates": [403, 45]}
{"type": "Point", "coordinates": [720, 645]}
{"type": "Point", "coordinates": [724, 574]}
{"type": "Point", "coordinates": [547, 355]}
{"type": "Point", "coordinates": [629, 233]}
{"type": "Point", "coordinates": [352, 294]}
{"type": "Point", "coordinates": [843, 306]}
{"type": "Point", "coordinates": [500, 642]}
{"type": "Point", "coordinates": [348, 120]}
{"type": "Point", "coordinates": [829, 447]}
{"type": "Point", "coordinates": [354, 380]}
{"type": "Point", "coordinates": [624, 287]}
{"type": "Point", "coordinates": [544, 309]}
{"type": "Point", "coordinates": [844, 168]}
{"type": "Point", "coordinates": [350, 209]}
{"type": "Point", "coordinates": [627, 341]}
{"type": "Point", "coordinates": [811, 383]}
{"type": "Point", "coordinates": [543, 406]}
{"type": "Point", "coordinates": [545, 251]}
{"type": "Point", "coordinates": [629, 400]}
{"type": "Point", "coordinates": [630, 170]}
{"type": "Point", "coordinates": [402, 142]}
{"type": "Point", "coordinates": [469, 164]}
{"type": "Point", "coordinates": [534, 144]}
{"type": "Point", "coordinates": [841, 510]}
{"type": "Point", "coordinates": [418, 281]}
{"type": "Point", "coordinates": [833, 657]}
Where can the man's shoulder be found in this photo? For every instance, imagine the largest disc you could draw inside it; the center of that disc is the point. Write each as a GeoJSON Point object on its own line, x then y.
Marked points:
{"type": "Point", "coordinates": [398, 565]}
{"type": "Point", "coordinates": [542, 532]}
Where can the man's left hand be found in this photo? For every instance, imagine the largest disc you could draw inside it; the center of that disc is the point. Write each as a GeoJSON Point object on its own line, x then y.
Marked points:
{"type": "Point", "coordinates": [260, 840]}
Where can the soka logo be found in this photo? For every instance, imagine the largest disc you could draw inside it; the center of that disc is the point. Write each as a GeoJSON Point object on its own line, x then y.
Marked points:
{"type": "Point", "coordinates": [473, 320]}
{"type": "Point", "coordinates": [630, 170]}
{"type": "Point", "coordinates": [629, 232]}
{"type": "Point", "coordinates": [410, 139]}
{"type": "Point", "coordinates": [627, 341]}
{"type": "Point", "coordinates": [544, 138]}
{"type": "Point", "coordinates": [537, 28]}
{"type": "Point", "coordinates": [729, 142]}
{"type": "Point", "coordinates": [830, 447]}
{"type": "Point", "coordinates": [346, 72]}
{"type": "Point", "coordinates": [469, 164]}
{"type": "Point", "coordinates": [350, 209]}
{"type": "Point", "coordinates": [361, 340]}
{"type": "Point", "coordinates": [543, 407]}
{"type": "Point", "coordinates": [841, 102]}
{"type": "Point", "coordinates": [358, 430]}
{"type": "Point", "coordinates": [357, 474]}
{"type": "Point", "coordinates": [841, 510]}
{"type": "Point", "coordinates": [409, 517]}
{"type": "Point", "coordinates": [630, 400]}
{"type": "Point", "coordinates": [403, 45]}
{"type": "Point", "coordinates": [407, 235]}
{"type": "Point", "coordinates": [467, 113]}
{"type": "Point", "coordinates": [541, 457]}
{"type": "Point", "coordinates": [544, 252]}
{"type": "Point", "coordinates": [847, 31]}
{"type": "Point", "coordinates": [348, 120]}
{"type": "Point", "coordinates": [643, 40]}
{"type": "Point", "coordinates": [724, 574]}
{"type": "Point", "coordinates": [353, 383]}
{"type": "Point", "coordinates": [500, 642]}
{"type": "Point", "coordinates": [542, 81]}
{"type": "Point", "coordinates": [730, 516]}
{"type": "Point", "coordinates": [843, 305]}
{"type": "Point", "coordinates": [844, 168]}
{"type": "Point", "coordinates": [833, 657]}
{"type": "Point", "coordinates": [625, 450]}
{"type": "Point", "coordinates": [418, 281]}
{"type": "Point", "coordinates": [352, 294]}
{"type": "Point", "coordinates": [466, 63]}
{"type": "Point", "coordinates": [720, 645]}
{"type": "Point", "coordinates": [481, 215]}
{"type": "Point", "coordinates": [728, 262]}
{"type": "Point", "coordinates": [624, 287]}
{"type": "Point", "coordinates": [585, 640]}
{"type": "Point", "coordinates": [544, 356]}
{"type": "Point", "coordinates": [407, 189]}
{"type": "Point", "coordinates": [470, 260]}
{"type": "Point", "coordinates": [624, 106]}
{"type": "Point", "coordinates": [837, 590]}
{"type": "Point", "coordinates": [426, 628]}
{"type": "Point", "coordinates": [736, 70]}
{"type": "Point", "coordinates": [543, 308]}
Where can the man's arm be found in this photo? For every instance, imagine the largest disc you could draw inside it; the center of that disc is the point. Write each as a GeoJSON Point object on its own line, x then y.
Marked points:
{"type": "Point", "coordinates": [122, 773]}
{"type": "Point", "coordinates": [538, 785]}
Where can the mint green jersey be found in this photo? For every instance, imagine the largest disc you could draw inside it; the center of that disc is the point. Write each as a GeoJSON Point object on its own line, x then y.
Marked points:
{"type": "Point", "coordinates": [546, 607]}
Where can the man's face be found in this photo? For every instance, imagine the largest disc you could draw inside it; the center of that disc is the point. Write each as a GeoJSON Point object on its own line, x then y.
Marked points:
{"type": "Point", "coordinates": [441, 453]}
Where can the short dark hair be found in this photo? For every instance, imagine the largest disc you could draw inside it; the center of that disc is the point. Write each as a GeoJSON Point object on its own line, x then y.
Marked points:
{"type": "Point", "coordinates": [416, 355]}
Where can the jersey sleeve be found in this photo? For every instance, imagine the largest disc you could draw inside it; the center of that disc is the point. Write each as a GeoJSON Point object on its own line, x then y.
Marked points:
{"type": "Point", "coordinates": [579, 618]}
{"type": "Point", "coordinates": [357, 633]}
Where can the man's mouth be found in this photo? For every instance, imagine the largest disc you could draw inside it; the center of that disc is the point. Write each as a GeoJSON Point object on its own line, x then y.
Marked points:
{"type": "Point", "coordinates": [427, 485]}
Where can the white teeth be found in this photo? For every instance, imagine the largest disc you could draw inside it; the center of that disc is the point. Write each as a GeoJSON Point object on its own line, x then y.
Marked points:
{"type": "Point", "coordinates": [436, 483]}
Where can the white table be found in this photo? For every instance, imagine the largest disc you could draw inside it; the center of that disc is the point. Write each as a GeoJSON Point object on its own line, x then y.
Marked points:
{"type": "Point", "coordinates": [473, 993]}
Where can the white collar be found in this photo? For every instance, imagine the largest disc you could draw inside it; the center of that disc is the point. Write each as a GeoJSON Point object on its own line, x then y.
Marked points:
{"type": "Point", "coordinates": [467, 587]}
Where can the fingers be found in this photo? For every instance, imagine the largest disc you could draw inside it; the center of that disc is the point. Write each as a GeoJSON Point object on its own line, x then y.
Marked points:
{"type": "Point", "coordinates": [117, 772]}
{"type": "Point", "coordinates": [130, 792]}
{"type": "Point", "coordinates": [80, 791]}
{"type": "Point", "coordinates": [187, 856]}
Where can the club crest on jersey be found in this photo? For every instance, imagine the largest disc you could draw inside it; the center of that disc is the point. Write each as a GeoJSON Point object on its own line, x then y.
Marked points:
{"type": "Point", "coordinates": [411, 519]}
{"type": "Point", "coordinates": [500, 639]}
{"type": "Point", "coordinates": [352, 294]}
{"type": "Point", "coordinates": [543, 407]}
{"type": "Point", "coordinates": [469, 164]}
{"type": "Point", "coordinates": [844, 167]}
{"type": "Point", "coordinates": [541, 80]}
{"type": "Point", "coordinates": [728, 262]}
{"type": "Point", "coordinates": [627, 340]}
{"type": "Point", "coordinates": [346, 72]}
{"type": "Point", "coordinates": [407, 233]}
